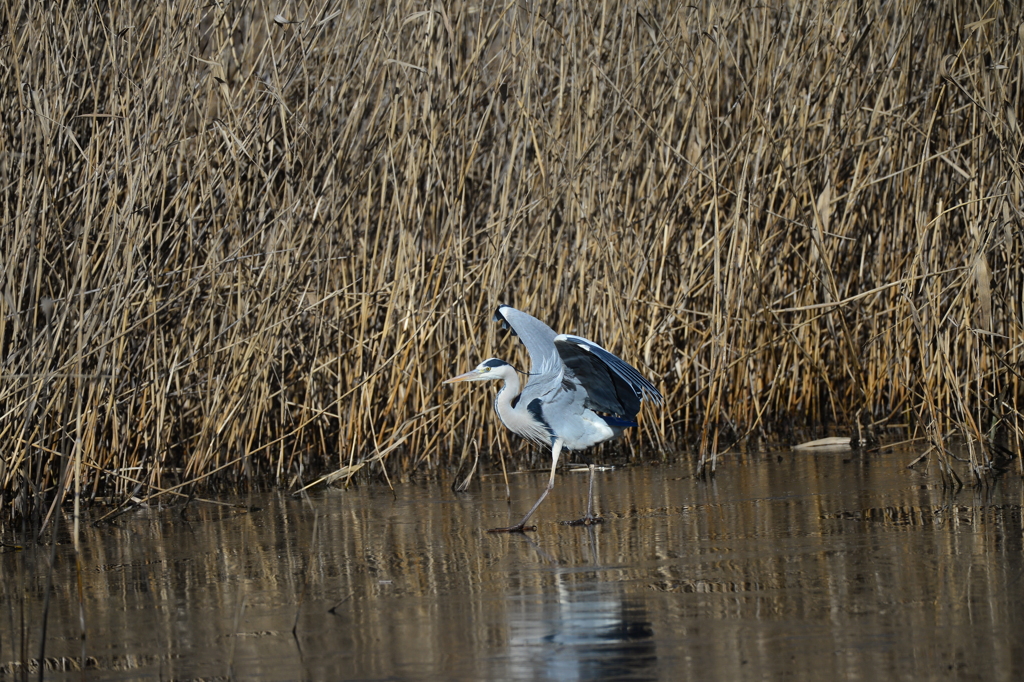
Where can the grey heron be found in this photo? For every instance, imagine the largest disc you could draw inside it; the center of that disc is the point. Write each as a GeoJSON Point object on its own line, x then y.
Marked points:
{"type": "Point", "coordinates": [577, 395]}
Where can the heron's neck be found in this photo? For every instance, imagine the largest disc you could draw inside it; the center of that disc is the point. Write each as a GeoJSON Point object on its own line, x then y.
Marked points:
{"type": "Point", "coordinates": [508, 393]}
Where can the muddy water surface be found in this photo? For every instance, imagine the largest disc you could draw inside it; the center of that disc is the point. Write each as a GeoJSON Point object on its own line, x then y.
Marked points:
{"type": "Point", "coordinates": [786, 566]}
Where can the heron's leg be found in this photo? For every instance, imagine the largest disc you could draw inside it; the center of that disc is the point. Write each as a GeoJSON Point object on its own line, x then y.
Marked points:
{"type": "Point", "coordinates": [589, 519]}
{"type": "Point", "coordinates": [556, 449]}
{"type": "Point", "coordinates": [590, 494]}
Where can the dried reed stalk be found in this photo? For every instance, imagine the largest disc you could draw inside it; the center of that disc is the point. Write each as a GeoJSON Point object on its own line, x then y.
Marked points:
{"type": "Point", "coordinates": [235, 247]}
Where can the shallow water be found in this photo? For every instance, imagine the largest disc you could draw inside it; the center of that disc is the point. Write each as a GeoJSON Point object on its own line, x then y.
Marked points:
{"type": "Point", "coordinates": [786, 566]}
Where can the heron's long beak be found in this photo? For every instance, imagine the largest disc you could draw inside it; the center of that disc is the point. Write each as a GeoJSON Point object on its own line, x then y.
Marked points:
{"type": "Point", "coordinates": [468, 376]}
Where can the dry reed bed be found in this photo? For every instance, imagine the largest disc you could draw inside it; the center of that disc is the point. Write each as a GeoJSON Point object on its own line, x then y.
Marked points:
{"type": "Point", "coordinates": [236, 247]}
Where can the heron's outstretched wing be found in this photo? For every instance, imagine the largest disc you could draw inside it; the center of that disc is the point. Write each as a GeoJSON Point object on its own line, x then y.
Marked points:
{"type": "Point", "coordinates": [538, 338]}
{"type": "Point", "coordinates": [612, 385]}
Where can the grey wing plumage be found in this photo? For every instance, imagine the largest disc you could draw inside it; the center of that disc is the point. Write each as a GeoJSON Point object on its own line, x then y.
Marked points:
{"type": "Point", "coordinates": [538, 338]}
{"type": "Point", "coordinates": [612, 385]}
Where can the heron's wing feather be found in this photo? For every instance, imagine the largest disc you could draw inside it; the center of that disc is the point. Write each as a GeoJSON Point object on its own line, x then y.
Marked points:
{"type": "Point", "coordinates": [538, 338]}
{"type": "Point", "coordinates": [612, 385]}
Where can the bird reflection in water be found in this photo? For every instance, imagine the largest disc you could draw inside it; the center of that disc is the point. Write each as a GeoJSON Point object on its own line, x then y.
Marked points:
{"type": "Point", "coordinates": [586, 630]}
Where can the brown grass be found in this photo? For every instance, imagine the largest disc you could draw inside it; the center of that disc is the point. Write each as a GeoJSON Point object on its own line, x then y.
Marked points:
{"type": "Point", "coordinates": [237, 248]}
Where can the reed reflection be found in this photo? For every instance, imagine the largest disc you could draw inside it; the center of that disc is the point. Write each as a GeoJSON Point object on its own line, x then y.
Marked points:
{"type": "Point", "coordinates": [795, 566]}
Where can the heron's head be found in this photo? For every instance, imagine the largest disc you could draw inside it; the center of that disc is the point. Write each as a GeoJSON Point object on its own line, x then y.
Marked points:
{"type": "Point", "coordinates": [485, 371]}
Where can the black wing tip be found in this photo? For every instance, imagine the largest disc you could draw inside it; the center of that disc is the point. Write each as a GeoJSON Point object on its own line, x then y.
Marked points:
{"type": "Point", "coordinates": [641, 385]}
{"type": "Point", "coordinates": [499, 317]}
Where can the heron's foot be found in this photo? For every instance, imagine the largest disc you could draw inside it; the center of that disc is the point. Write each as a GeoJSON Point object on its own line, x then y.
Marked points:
{"type": "Point", "coordinates": [588, 520]}
{"type": "Point", "coordinates": [521, 528]}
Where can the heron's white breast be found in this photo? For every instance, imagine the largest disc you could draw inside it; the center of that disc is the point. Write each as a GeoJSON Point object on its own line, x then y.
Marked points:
{"type": "Point", "coordinates": [583, 430]}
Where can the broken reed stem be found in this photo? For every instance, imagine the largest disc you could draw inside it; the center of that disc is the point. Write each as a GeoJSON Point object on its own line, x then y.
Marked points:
{"type": "Point", "coordinates": [235, 249]}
